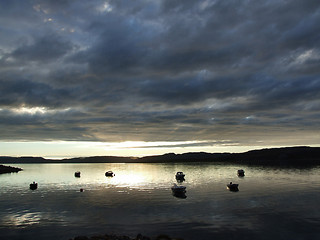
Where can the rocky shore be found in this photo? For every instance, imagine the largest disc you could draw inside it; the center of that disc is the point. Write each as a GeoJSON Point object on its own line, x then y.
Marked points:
{"type": "Point", "coordinates": [119, 237]}
{"type": "Point", "coordinates": [9, 169]}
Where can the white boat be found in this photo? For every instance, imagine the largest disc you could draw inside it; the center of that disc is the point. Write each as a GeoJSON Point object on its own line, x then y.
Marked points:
{"type": "Point", "coordinates": [233, 187]}
{"type": "Point", "coordinates": [109, 174]}
{"type": "Point", "coordinates": [180, 176]}
{"type": "Point", "coordinates": [240, 173]}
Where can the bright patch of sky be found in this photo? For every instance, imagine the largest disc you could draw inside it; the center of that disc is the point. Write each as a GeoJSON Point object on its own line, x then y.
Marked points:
{"type": "Point", "coordinates": [307, 56]}
{"type": "Point", "coordinates": [36, 110]}
{"type": "Point", "coordinates": [105, 7]}
{"type": "Point", "coordinates": [62, 149]}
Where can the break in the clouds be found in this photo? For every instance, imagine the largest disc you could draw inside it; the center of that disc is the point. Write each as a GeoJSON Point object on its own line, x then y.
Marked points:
{"type": "Point", "coordinates": [246, 72]}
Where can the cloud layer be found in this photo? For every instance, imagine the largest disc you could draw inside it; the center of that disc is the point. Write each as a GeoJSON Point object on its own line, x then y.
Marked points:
{"type": "Point", "coordinates": [245, 72]}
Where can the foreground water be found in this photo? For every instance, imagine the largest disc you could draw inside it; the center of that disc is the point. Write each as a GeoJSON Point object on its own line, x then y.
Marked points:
{"type": "Point", "coordinates": [272, 203]}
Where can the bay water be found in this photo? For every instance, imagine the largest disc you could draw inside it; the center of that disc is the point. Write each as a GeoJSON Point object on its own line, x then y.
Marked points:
{"type": "Point", "coordinates": [272, 203]}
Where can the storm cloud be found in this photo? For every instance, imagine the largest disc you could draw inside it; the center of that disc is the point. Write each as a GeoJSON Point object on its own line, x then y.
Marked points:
{"type": "Point", "coordinates": [246, 72]}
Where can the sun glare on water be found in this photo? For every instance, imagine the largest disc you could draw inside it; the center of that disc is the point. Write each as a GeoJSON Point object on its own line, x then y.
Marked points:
{"type": "Point", "coordinates": [127, 180]}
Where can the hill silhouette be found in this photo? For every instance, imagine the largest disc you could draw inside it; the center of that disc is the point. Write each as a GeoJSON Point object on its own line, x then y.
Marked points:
{"type": "Point", "coordinates": [270, 156]}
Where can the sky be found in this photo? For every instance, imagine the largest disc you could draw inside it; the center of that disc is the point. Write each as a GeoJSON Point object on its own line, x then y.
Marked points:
{"type": "Point", "coordinates": [145, 77]}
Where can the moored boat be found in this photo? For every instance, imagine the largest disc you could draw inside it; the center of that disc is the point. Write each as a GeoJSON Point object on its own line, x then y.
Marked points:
{"type": "Point", "coordinates": [109, 174]}
{"type": "Point", "coordinates": [180, 176]}
{"type": "Point", "coordinates": [240, 173]}
{"type": "Point", "coordinates": [33, 186]}
{"type": "Point", "coordinates": [233, 187]}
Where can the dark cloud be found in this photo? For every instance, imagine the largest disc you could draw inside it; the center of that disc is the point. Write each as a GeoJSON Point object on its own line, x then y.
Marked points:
{"type": "Point", "coordinates": [160, 70]}
{"type": "Point", "coordinates": [31, 94]}
{"type": "Point", "coordinates": [49, 47]}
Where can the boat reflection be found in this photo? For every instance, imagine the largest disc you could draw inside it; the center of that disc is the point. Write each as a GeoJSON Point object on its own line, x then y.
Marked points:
{"type": "Point", "coordinates": [179, 194]}
{"type": "Point", "coordinates": [178, 191]}
{"type": "Point", "coordinates": [180, 180]}
{"type": "Point", "coordinates": [180, 176]}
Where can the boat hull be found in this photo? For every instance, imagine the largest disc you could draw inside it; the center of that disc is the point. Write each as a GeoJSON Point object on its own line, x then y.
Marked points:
{"type": "Point", "coordinates": [33, 186]}
{"type": "Point", "coordinates": [233, 187]}
{"type": "Point", "coordinates": [109, 174]}
{"type": "Point", "coordinates": [240, 173]}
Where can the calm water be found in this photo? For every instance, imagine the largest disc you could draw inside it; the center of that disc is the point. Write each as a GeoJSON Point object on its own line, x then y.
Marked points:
{"type": "Point", "coordinates": [271, 203]}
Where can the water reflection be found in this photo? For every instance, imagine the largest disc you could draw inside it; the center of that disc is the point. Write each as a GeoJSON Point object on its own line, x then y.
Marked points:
{"type": "Point", "coordinates": [22, 220]}
{"type": "Point", "coordinates": [139, 199]}
{"type": "Point", "coordinates": [180, 180]}
{"type": "Point", "coordinates": [179, 195]}
{"type": "Point", "coordinates": [127, 179]}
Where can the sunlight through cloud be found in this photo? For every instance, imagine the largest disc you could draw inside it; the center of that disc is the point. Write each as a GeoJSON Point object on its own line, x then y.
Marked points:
{"type": "Point", "coordinates": [105, 7]}
{"type": "Point", "coordinates": [141, 144]}
{"type": "Point", "coordinates": [36, 110]}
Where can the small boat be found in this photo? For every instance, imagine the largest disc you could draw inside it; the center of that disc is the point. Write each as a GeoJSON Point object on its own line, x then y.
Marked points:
{"type": "Point", "coordinates": [110, 174]}
{"type": "Point", "coordinates": [33, 186]}
{"type": "Point", "coordinates": [180, 176]}
{"type": "Point", "coordinates": [77, 174]}
{"type": "Point", "coordinates": [233, 187]}
{"type": "Point", "coordinates": [240, 173]}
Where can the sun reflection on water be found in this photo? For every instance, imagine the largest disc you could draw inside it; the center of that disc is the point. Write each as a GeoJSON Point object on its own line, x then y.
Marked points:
{"type": "Point", "coordinates": [126, 180]}
{"type": "Point", "coordinates": [22, 220]}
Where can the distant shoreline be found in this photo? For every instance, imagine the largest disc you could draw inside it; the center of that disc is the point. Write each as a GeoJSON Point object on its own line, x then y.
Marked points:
{"type": "Point", "coordinates": [9, 169]}
{"type": "Point", "coordinates": [285, 156]}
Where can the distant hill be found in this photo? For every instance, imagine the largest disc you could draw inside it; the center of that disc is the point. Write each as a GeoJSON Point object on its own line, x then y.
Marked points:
{"type": "Point", "coordinates": [99, 159]}
{"type": "Point", "coordinates": [5, 159]}
{"type": "Point", "coordinates": [273, 156]}
{"type": "Point", "coordinates": [287, 156]}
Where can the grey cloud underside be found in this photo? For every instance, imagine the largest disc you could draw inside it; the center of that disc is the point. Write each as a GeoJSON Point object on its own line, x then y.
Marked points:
{"type": "Point", "coordinates": [159, 70]}
{"type": "Point", "coordinates": [47, 48]}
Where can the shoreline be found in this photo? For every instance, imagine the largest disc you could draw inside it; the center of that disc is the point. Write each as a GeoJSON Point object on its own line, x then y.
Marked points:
{"type": "Point", "coordinates": [9, 169]}
{"type": "Point", "coordinates": [123, 237]}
